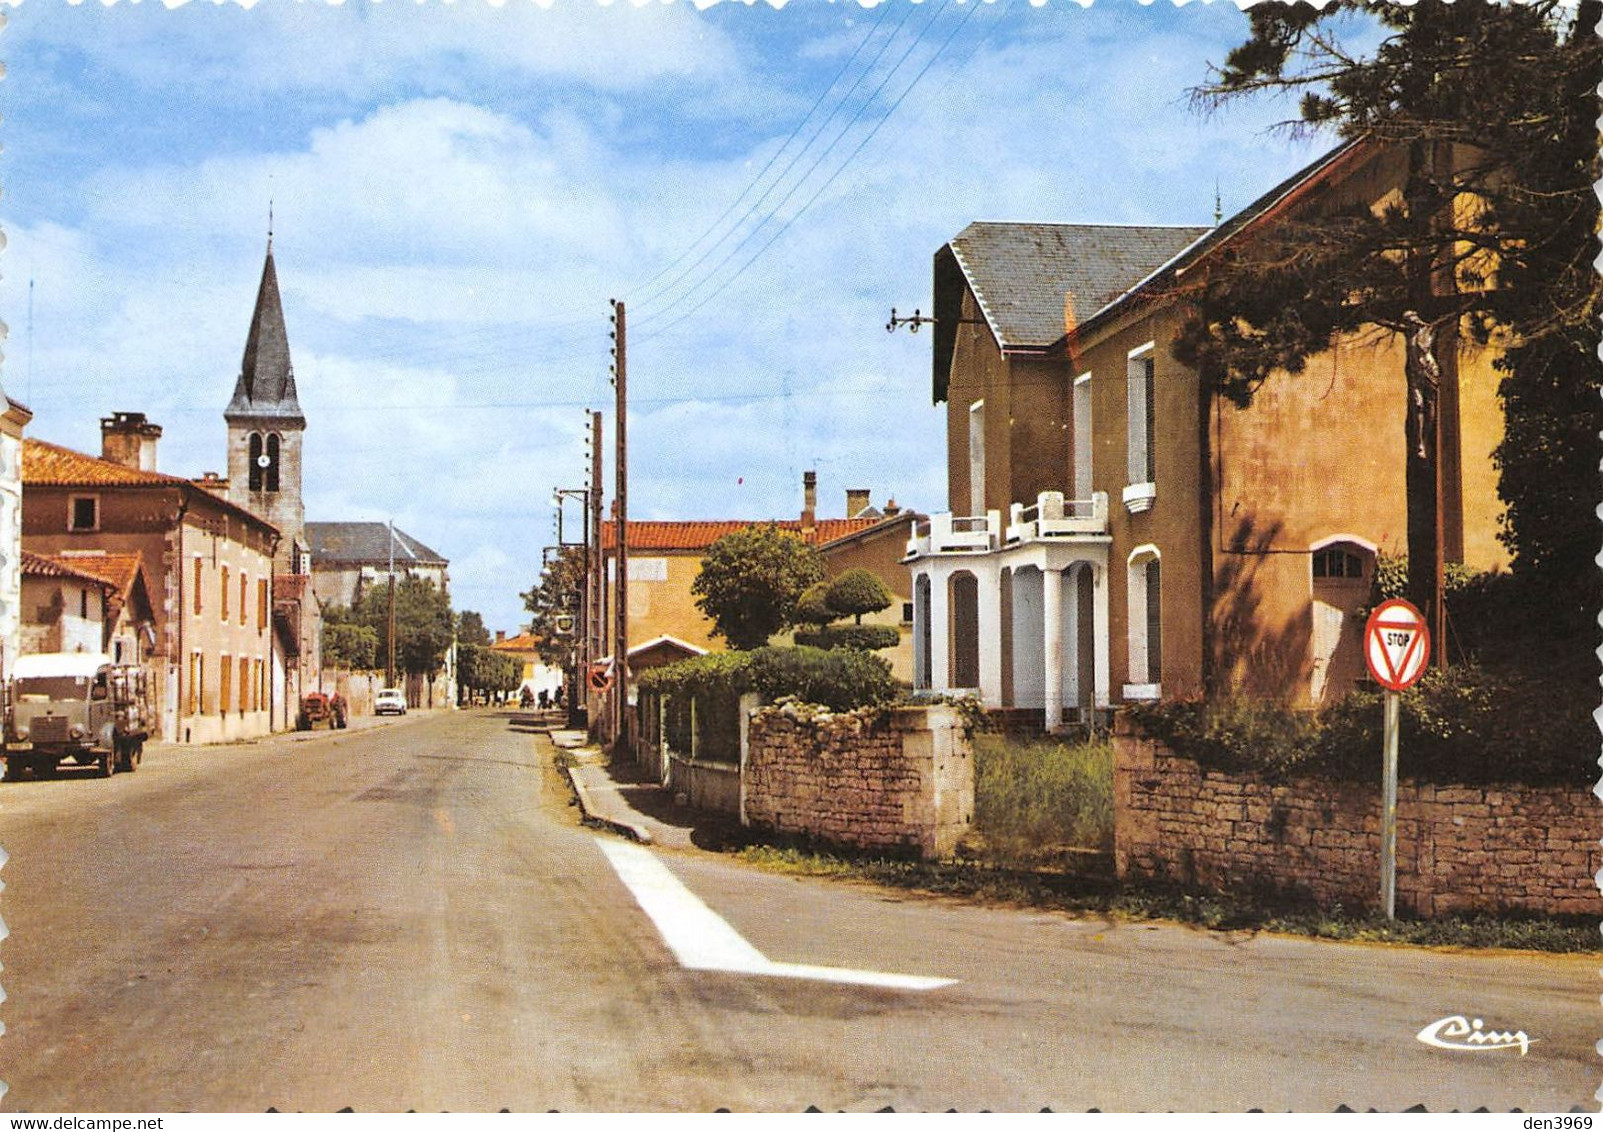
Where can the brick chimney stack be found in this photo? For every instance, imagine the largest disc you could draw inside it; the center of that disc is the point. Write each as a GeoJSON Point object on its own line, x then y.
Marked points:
{"type": "Point", "coordinates": [892, 508]}
{"type": "Point", "coordinates": [856, 501]}
{"type": "Point", "coordinates": [500, 635]}
{"type": "Point", "coordinates": [130, 440]}
{"type": "Point", "coordinates": [809, 515]}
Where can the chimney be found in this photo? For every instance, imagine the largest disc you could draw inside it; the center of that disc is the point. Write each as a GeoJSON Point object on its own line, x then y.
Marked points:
{"type": "Point", "coordinates": [213, 483]}
{"type": "Point", "coordinates": [500, 635]}
{"type": "Point", "coordinates": [856, 501]}
{"type": "Point", "coordinates": [130, 440]}
{"type": "Point", "coordinates": [809, 515]}
{"type": "Point", "coordinates": [892, 508]}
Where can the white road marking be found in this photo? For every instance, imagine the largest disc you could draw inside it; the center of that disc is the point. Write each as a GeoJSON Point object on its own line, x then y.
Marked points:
{"type": "Point", "coordinates": [701, 940]}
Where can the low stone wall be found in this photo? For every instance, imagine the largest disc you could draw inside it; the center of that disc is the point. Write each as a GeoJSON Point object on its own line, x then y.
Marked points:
{"type": "Point", "coordinates": [1458, 847]}
{"type": "Point", "coordinates": [901, 779]}
{"type": "Point", "coordinates": [705, 785]}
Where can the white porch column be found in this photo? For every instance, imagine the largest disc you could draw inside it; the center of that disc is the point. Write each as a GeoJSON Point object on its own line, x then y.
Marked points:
{"type": "Point", "coordinates": [1099, 631]}
{"type": "Point", "coordinates": [990, 642]}
{"type": "Point", "coordinates": [1052, 654]}
{"type": "Point", "coordinates": [940, 632]}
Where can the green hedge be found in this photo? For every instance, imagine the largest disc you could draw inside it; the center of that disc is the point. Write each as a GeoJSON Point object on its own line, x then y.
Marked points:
{"type": "Point", "coordinates": [1465, 725]}
{"type": "Point", "coordinates": [837, 679]}
{"type": "Point", "coordinates": [863, 638]}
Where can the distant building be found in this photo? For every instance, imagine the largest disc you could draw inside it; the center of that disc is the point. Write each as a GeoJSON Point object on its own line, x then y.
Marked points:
{"type": "Point", "coordinates": [348, 558]}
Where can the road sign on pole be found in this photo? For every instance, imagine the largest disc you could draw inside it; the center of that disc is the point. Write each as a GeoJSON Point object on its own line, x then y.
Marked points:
{"type": "Point", "coordinates": [1396, 648]}
{"type": "Point", "coordinates": [600, 675]}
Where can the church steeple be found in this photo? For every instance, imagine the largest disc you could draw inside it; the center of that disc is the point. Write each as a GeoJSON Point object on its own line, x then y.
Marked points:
{"type": "Point", "coordinates": [266, 386]}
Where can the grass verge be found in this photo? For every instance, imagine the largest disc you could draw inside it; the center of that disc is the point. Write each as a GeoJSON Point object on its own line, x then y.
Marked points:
{"type": "Point", "coordinates": [1039, 793]}
{"type": "Point", "coordinates": [1096, 895]}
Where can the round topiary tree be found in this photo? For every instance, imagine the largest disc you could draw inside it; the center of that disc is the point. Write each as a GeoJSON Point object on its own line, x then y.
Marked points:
{"type": "Point", "coordinates": [813, 607]}
{"type": "Point", "coordinates": [856, 592]}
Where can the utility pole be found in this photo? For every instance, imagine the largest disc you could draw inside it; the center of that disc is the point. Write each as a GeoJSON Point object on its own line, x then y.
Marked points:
{"type": "Point", "coordinates": [620, 655]}
{"type": "Point", "coordinates": [596, 572]}
{"type": "Point", "coordinates": [389, 669]}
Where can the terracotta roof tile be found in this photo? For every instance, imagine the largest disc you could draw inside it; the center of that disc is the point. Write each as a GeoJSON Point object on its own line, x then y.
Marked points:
{"type": "Point", "coordinates": [50, 566]}
{"type": "Point", "coordinates": [523, 642]}
{"type": "Point", "coordinates": [699, 534]}
{"type": "Point", "coordinates": [50, 465]}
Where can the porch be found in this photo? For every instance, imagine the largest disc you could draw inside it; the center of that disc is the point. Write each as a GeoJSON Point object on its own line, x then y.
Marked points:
{"type": "Point", "coordinates": [1015, 611]}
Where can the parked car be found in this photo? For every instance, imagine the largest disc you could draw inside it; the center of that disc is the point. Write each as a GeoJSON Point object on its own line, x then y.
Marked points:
{"type": "Point", "coordinates": [389, 701]}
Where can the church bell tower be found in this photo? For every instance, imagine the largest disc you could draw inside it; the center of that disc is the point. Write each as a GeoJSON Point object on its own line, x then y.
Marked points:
{"type": "Point", "coordinates": [265, 427]}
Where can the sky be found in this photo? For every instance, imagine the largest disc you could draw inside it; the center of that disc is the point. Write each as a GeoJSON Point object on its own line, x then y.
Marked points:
{"type": "Point", "coordinates": [458, 190]}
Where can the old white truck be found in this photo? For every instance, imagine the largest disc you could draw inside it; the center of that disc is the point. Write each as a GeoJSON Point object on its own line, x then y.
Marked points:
{"type": "Point", "coordinates": [79, 706]}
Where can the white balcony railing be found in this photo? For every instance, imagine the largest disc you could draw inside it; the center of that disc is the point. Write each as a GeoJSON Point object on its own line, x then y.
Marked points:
{"type": "Point", "coordinates": [1053, 517]}
{"type": "Point", "coordinates": [956, 534]}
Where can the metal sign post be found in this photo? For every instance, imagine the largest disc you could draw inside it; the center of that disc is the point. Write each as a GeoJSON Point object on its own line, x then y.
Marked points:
{"type": "Point", "coordinates": [1396, 647]}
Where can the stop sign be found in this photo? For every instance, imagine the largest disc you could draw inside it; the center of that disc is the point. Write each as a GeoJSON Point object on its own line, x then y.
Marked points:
{"type": "Point", "coordinates": [1396, 644]}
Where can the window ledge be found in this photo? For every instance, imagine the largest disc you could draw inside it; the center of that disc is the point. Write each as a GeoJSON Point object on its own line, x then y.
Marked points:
{"type": "Point", "coordinates": [1139, 497]}
{"type": "Point", "coordinates": [1143, 691]}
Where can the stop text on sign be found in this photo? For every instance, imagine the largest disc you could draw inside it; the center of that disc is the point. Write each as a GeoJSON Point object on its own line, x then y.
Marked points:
{"type": "Point", "coordinates": [1396, 644]}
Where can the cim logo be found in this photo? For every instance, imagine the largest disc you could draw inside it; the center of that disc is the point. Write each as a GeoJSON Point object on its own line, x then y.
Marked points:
{"type": "Point", "coordinates": [1460, 1033]}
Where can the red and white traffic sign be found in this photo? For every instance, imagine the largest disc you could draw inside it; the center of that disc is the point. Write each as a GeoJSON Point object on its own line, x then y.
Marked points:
{"type": "Point", "coordinates": [1396, 644]}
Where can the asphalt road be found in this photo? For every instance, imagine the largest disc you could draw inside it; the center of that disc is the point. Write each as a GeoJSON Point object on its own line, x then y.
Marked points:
{"type": "Point", "coordinates": [409, 917]}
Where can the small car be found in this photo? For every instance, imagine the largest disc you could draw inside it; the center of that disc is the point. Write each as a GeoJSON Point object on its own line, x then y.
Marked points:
{"type": "Point", "coordinates": [389, 701]}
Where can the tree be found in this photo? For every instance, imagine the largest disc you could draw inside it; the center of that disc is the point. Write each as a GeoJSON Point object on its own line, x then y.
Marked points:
{"type": "Point", "coordinates": [751, 580]}
{"type": "Point", "coordinates": [813, 608]}
{"type": "Point", "coordinates": [470, 629]}
{"type": "Point", "coordinates": [482, 669]}
{"type": "Point", "coordinates": [555, 602]}
{"type": "Point", "coordinates": [423, 623]}
{"type": "Point", "coordinates": [347, 645]}
{"type": "Point", "coordinates": [1494, 109]}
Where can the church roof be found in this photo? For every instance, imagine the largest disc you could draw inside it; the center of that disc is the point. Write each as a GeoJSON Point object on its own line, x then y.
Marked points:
{"type": "Point", "coordinates": [266, 386]}
{"type": "Point", "coordinates": [335, 544]}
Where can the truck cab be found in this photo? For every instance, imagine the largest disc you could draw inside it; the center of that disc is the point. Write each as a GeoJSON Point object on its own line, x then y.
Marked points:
{"type": "Point", "coordinates": [78, 706]}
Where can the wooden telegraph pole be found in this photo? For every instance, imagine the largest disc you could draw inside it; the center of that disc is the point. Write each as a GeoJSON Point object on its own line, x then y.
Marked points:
{"type": "Point", "coordinates": [620, 653]}
{"type": "Point", "coordinates": [596, 627]}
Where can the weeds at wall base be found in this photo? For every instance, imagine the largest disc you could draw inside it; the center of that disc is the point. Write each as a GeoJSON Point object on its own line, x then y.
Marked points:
{"type": "Point", "coordinates": [987, 882]}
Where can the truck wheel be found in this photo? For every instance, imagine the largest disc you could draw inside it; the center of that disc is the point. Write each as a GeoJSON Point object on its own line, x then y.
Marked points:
{"type": "Point", "coordinates": [128, 755]}
{"type": "Point", "coordinates": [106, 764]}
{"type": "Point", "coordinates": [45, 768]}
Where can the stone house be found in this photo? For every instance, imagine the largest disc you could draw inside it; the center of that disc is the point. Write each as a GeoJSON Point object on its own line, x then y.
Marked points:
{"type": "Point", "coordinates": [211, 572]}
{"type": "Point", "coordinates": [350, 558]}
{"type": "Point", "coordinates": [88, 601]}
{"type": "Point", "coordinates": [1117, 531]}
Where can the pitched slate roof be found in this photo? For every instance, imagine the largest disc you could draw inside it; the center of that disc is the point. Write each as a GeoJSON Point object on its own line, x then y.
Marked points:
{"type": "Point", "coordinates": [266, 385]}
{"type": "Point", "coordinates": [699, 534]}
{"type": "Point", "coordinates": [1021, 273]}
{"type": "Point", "coordinates": [366, 543]}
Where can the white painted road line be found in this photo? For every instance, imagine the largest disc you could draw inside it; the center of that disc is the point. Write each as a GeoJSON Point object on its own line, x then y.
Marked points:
{"type": "Point", "coordinates": [701, 940]}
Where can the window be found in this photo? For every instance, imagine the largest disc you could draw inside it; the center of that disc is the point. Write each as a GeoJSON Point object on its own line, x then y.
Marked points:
{"type": "Point", "coordinates": [1145, 607]}
{"type": "Point", "coordinates": [83, 603]}
{"type": "Point", "coordinates": [198, 577]}
{"type": "Point", "coordinates": [256, 461]}
{"type": "Point", "coordinates": [197, 670]}
{"type": "Point", "coordinates": [1082, 437]}
{"type": "Point", "coordinates": [261, 604]}
{"type": "Point", "coordinates": [226, 689]}
{"type": "Point", "coordinates": [976, 458]}
{"type": "Point", "coordinates": [244, 684]}
{"type": "Point", "coordinates": [83, 513]}
{"type": "Point", "coordinates": [1335, 562]}
{"type": "Point", "coordinates": [224, 590]}
{"type": "Point", "coordinates": [1138, 380]}
{"type": "Point", "coordinates": [244, 595]}
{"type": "Point", "coordinates": [270, 471]}
{"type": "Point", "coordinates": [907, 613]}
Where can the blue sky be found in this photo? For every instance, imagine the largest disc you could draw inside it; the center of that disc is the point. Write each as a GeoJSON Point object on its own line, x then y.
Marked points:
{"type": "Point", "coordinates": [459, 189]}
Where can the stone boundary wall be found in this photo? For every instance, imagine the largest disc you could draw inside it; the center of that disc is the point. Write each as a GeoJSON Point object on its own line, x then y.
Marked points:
{"type": "Point", "coordinates": [899, 779]}
{"type": "Point", "coordinates": [1459, 848]}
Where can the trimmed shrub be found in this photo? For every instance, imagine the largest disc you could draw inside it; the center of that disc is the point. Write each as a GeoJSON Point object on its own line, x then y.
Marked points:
{"type": "Point", "coordinates": [856, 592]}
{"type": "Point", "coordinates": [863, 638]}
{"type": "Point", "coordinates": [836, 679]}
{"type": "Point", "coordinates": [812, 608]}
